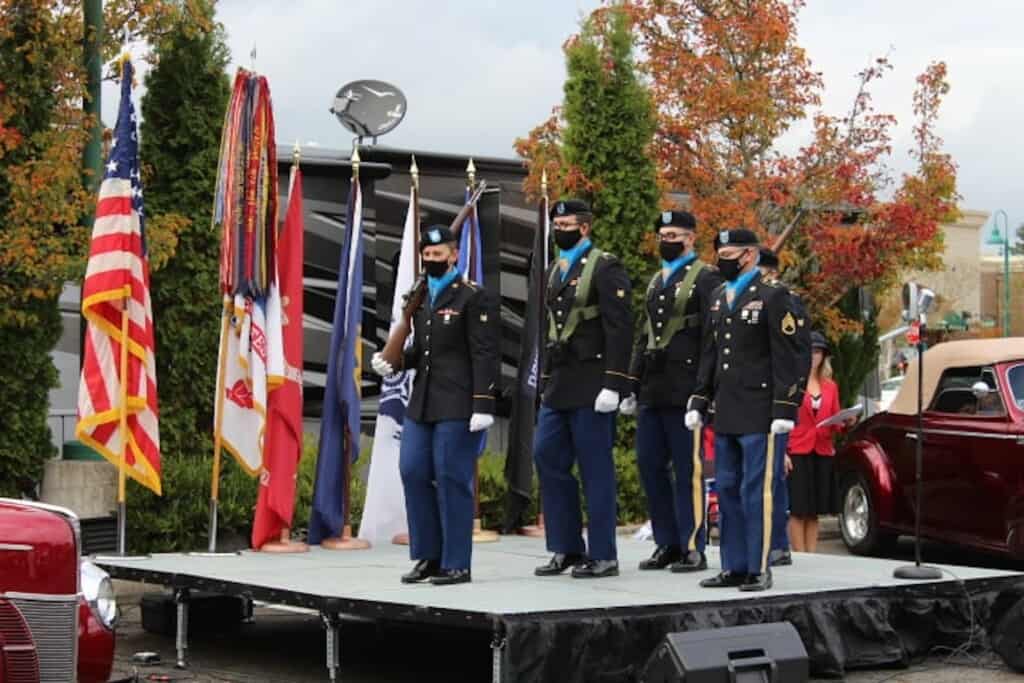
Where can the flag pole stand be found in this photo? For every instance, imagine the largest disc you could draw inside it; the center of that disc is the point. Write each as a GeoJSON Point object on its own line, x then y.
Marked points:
{"type": "Point", "coordinates": [346, 541]}
{"type": "Point", "coordinates": [480, 534]}
{"type": "Point", "coordinates": [211, 545]}
{"type": "Point", "coordinates": [284, 545]}
{"type": "Point", "coordinates": [122, 478]}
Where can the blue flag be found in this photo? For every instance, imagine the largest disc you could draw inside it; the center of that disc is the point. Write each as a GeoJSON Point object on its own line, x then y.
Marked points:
{"type": "Point", "coordinates": [339, 422]}
{"type": "Point", "coordinates": [471, 252]}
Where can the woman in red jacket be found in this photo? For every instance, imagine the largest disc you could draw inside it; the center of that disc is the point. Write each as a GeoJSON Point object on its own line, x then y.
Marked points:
{"type": "Point", "coordinates": [810, 456]}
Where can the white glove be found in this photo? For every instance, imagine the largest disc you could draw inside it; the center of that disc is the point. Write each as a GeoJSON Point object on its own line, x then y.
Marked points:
{"type": "Point", "coordinates": [628, 405]}
{"type": "Point", "coordinates": [480, 421]}
{"type": "Point", "coordinates": [782, 426]}
{"type": "Point", "coordinates": [692, 420]}
{"type": "Point", "coordinates": [607, 401]}
{"type": "Point", "coordinates": [381, 366]}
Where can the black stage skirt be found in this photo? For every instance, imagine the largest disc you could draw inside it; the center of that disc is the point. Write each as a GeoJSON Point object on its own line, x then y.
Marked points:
{"type": "Point", "coordinates": [812, 488]}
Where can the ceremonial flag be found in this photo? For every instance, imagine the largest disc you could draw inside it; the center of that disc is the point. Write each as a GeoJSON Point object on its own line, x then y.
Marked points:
{"type": "Point", "coordinates": [471, 253]}
{"type": "Point", "coordinates": [339, 423]}
{"type": "Point", "coordinates": [384, 510]}
{"type": "Point", "coordinates": [519, 458]}
{"type": "Point", "coordinates": [117, 282]}
{"type": "Point", "coordinates": [276, 501]}
{"type": "Point", "coordinates": [251, 356]}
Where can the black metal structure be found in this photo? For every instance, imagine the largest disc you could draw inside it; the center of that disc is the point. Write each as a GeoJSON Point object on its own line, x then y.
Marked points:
{"type": "Point", "coordinates": [506, 221]}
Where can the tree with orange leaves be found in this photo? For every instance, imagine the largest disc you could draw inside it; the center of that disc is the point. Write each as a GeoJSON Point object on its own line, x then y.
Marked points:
{"type": "Point", "coordinates": [729, 79]}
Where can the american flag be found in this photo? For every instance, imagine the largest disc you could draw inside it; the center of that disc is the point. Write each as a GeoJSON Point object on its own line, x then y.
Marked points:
{"type": "Point", "coordinates": [119, 268]}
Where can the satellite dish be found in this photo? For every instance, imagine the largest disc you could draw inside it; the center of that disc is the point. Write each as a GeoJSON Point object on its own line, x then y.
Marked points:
{"type": "Point", "coordinates": [369, 108]}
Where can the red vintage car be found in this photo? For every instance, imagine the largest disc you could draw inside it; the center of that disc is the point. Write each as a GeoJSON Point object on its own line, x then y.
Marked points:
{"type": "Point", "coordinates": [57, 610]}
{"type": "Point", "coordinates": [972, 454]}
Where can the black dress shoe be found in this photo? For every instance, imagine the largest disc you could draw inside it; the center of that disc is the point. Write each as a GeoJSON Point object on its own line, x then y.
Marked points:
{"type": "Point", "coordinates": [724, 580]}
{"type": "Point", "coordinates": [423, 570]}
{"type": "Point", "coordinates": [693, 562]}
{"type": "Point", "coordinates": [558, 563]}
{"type": "Point", "coordinates": [450, 577]}
{"type": "Point", "coordinates": [663, 556]}
{"type": "Point", "coordinates": [596, 569]}
{"type": "Point", "coordinates": [758, 582]}
{"type": "Point", "coordinates": [780, 558]}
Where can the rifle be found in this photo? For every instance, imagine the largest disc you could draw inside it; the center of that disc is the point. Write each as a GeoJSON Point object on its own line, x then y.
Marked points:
{"type": "Point", "coordinates": [395, 345]}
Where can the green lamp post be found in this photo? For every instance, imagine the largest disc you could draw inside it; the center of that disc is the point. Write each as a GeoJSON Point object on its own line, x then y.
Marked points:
{"type": "Point", "coordinates": [1002, 239]}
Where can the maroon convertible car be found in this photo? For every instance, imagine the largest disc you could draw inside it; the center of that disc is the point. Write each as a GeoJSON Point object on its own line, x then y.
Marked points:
{"type": "Point", "coordinates": [972, 454]}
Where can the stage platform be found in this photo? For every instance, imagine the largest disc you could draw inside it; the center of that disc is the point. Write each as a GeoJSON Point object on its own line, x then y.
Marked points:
{"type": "Point", "coordinates": [850, 611]}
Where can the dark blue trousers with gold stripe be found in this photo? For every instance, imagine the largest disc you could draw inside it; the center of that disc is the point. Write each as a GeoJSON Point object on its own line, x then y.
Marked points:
{"type": "Point", "coordinates": [673, 477]}
{"type": "Point", "coordinates": [744, 474]}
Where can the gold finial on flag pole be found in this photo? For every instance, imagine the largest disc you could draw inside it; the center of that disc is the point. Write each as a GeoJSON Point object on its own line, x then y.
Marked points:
{"type": "Point", "coordinates": [544, 182]}
{"type": "Point", "coordinates": [355, 161]}
{"type": "Point", "coordinates": [414, 172]}
{"type": "Point", "coordinates": [296, 153]}
{"type": "Point", "coordinates": [471, 173]}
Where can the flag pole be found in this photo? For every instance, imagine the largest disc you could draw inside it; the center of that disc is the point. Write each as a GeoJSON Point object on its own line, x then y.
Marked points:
{"type": "Point", "coordinates": [123, 427]}
{"type": "Point", "coordinates": [414, 174]}
{"type": "Point", "coordinates": [537, 530]}
{"type": "Point", "coordinates": [347, 541]}
{"type": "Point", "coordinates": [217, 440]}
{"type": "Point", "coordinates": [480, 535]}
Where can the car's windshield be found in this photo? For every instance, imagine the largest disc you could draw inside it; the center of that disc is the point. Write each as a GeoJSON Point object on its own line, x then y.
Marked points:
{"type": "Point", "coordinates": [1016, 377]}
{"type": "Point", "coordinates": [892, 384]}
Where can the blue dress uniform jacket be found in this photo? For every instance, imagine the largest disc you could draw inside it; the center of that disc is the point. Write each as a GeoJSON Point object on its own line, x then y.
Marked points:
{"type": "Point", "coordinates": [596, 356]}
{"type": "Point", "coordinates": [455, 355]}
{"type": "Point", "coordinates": [668, 377]}
{"type": "Point", "coordinates": [749, 360]}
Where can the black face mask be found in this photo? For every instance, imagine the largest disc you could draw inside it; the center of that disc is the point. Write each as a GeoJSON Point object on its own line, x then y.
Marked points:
{"type": "Point", "coordinates": [729, 268]}
{"type": "Point", "coordinates": [670, 251]}
{"type": "Point", "coordinates": [567, 239]}
{"type": "Point", "coordinates": [436, 269]}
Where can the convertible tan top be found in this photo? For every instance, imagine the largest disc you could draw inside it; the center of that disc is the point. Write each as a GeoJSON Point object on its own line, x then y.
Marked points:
{"type": "Point", "coordinates": [954, 354]}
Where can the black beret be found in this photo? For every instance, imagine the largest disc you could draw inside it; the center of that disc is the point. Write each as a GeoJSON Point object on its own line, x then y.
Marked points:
{"type": "Point", "coordinates": [569, 207]}
{"type": "Point", "coordinates": [434, 235]}
{"type": "Point", "coordinates": [768, 259]}
{"type": "Point", "coordinates": [677, 219]}
{"type": "Point", "coordinates": [818, 341]}
{"type": "Point", "coordinates": [737, 237]}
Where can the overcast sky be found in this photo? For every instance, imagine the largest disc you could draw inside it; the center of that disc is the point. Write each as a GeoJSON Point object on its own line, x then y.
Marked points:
{"type": "Point", "coordinates": [479, 73]}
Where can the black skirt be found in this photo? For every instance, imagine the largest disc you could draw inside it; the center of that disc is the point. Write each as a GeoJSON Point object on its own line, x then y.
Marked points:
{"type": "Point", "coordinates": [812, 489]}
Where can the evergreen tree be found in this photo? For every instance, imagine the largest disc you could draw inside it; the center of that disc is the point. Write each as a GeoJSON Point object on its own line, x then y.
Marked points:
{"type": "Point", "coordinates": [29, 327]}
{"type": "Point", "coordinates": [609, 127]}
{"type": "Point", "coordinates": [183, 112]}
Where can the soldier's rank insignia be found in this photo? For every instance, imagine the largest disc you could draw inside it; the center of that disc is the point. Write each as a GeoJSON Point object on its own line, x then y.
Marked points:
{"type": "Point", "coordinates": [789, 324]}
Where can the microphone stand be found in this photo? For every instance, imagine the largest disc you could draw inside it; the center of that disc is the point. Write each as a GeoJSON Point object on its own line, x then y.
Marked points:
{"type": "Point", "coordinates": [918, 571]}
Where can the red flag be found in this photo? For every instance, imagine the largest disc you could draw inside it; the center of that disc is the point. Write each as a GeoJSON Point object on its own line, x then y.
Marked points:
{"type": "Point", "coordinates": [276, 501]}
{"type": "Point", "coordinates": [117, 283]}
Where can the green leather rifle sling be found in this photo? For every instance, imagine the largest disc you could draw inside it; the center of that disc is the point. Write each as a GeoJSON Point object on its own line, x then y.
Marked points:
{"type": "Point", "coordinates": [679, 320]}
{"type": "Point", "coordinates": [580, 311]}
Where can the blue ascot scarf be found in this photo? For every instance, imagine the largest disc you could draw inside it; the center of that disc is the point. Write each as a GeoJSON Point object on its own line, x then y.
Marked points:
{"type": "Point", "coordinates": [571, 256]}
{"type": "Point", "coordinates": [436, 285]}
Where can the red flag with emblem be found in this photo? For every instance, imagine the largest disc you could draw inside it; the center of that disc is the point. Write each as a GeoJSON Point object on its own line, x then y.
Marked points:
{"type": "Point", "coordinates": [276, 501]}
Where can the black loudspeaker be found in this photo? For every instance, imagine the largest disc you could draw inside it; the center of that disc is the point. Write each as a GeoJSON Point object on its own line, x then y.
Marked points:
{"type": "Point", "coordinates": [762, 653]}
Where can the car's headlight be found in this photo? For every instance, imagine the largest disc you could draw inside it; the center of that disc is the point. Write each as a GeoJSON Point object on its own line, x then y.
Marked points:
{"type": "Point", "coordinates": [99, 593]}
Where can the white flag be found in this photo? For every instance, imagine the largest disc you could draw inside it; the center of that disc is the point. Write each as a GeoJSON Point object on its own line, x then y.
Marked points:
{"type": "Point", "coordinates": [384, 510]}
{"type": "Point", "coordinates": [242, 394]}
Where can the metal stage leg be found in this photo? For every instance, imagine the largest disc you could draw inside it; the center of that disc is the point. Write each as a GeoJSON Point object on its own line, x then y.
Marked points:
{"type": "Point", "coordinates": [498, 654]}
{"type": "Point", "coordinates": [181, 597]}
{"type": "Point", "coordinates": [332, 625]}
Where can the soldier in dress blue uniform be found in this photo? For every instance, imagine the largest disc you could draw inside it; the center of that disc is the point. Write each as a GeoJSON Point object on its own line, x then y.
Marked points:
{"type": "Point", "coordinates": [453, 399]}
{"type": "Point", "coordinates": [780, 554]}
{"type": "Point", "coordinates": [665, 367]}
{"type": "Point", "coordinates": [749, 373]}
{"type": "Point", "coordinates": [586, 359]}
